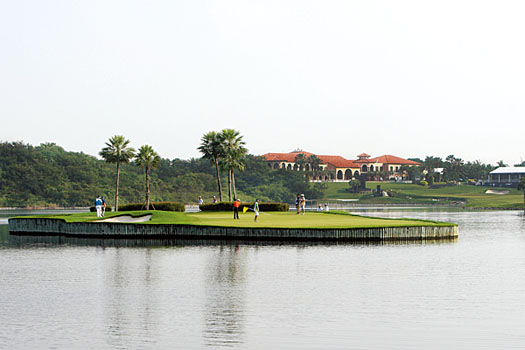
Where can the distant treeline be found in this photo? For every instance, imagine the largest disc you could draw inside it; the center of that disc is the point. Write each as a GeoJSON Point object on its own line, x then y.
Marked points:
{"type": "Point", "coordinates": [49, 175]}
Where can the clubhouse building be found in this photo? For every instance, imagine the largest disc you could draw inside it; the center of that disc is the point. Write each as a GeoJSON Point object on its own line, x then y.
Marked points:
{"type": "Point", "coordinates": [337, 168]}
{"type": "Point", "coordinates": [505, 176]}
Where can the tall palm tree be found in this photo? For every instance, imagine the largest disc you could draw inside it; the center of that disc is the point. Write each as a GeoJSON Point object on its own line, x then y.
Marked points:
{"type": "Point", "coordinates": [234, 153]}
{"type": "Point", "coordinates": [117, 151]}
{"type": "Point", "coordinates": [147, 159]}
{"type": "Point", "coordinates": [236, 162]}
{"type": "Point", "coordinates": [211, 149]}
{"type": "Point", "coordinates": [521, 187]}
{"type": "Point", "coordinates": [300, 160]}
{"type": "Point", "coordinates": [314, 162]}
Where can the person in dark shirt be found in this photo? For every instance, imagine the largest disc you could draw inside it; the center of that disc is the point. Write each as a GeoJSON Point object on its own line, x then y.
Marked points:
{"type": "Point", "coordinates": [103, 209]}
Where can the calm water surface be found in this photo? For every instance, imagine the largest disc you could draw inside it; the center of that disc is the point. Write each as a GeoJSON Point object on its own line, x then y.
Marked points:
{"type": "Point", "coordinates": [466, 294]}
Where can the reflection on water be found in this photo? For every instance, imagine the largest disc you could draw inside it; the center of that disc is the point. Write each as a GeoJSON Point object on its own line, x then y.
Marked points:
{"type": "Point", "coordinates": [225, 293]}
{"type": "Point", "coordinates": [24, 241]}
{"type": "Point", "coordinates": [468, 294]}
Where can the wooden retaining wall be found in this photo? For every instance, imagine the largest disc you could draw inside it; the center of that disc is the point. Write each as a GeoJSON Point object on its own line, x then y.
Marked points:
{"type": "Point", "coordinates": [44, 226]}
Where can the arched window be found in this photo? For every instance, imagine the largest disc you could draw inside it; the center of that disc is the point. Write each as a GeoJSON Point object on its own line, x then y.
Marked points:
{"type": "Point", "coordinates": [381, 168]}
{"type": "Point", "coordinates": [371, 168]}
{"type": "Point", "coordinates": [339, 175]}
{"type": "Point", "coordinates": [326, 177]}
{"type": "Point", "coordinates": [307, 167]}
{"type": "Point", "coordinates": [270, 165]}
{"type": "Point", "coordinates": [364, 168]}
{"type": "Point", "coordinates": [289, 166]}
{"type": "Point", "coordinates": [348, 174]}
{"type": "Point", "coordinates": [356, 173]}
{"type": "Point", "coordinates": [391, 168]}
{"type": "Point", "coordinates": [397, 168]}
{"type": "Point", "coordinates": [295, 167]}
{"type": "Point", "coordinates": [283, 166]}
{"type": "Point", "coordinates": [276, 166]}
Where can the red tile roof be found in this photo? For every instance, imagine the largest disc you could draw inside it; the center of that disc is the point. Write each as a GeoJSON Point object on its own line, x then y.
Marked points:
{"type": "Point", "coordinates": [390, 159]}
{"type": "Point", "coordinates": [286, 157]}
{"type": "Point", "coordinates": [368, 160]}
{"type": "Point", "coordinates": [337, 161]}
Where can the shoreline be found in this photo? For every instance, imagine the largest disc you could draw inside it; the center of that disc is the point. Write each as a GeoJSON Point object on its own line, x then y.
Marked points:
{"type": "Point", "coordinates": [194, 207]}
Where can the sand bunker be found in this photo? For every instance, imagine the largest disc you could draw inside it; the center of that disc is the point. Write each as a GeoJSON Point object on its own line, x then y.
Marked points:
{"type": "Point", "coordinates": [127, 218]}
{"type": "Point", "coordinates": [496, 192]}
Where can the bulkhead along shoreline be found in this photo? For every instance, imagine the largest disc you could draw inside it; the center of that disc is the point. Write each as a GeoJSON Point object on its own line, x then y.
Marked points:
{"type": "Point", "coordinates": [286, 226]}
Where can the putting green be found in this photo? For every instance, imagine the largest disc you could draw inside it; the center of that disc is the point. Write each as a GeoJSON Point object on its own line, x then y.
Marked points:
{"type": "Point", "coordinates": [311, 220]}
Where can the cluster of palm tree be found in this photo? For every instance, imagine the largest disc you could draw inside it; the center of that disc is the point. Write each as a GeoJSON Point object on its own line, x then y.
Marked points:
{"type": "Point", "coordinates": [225, 149]}
{"type": "Point", "coordinates": [117, 151]}
{"type": "Point", "coordinates": [310, 164]}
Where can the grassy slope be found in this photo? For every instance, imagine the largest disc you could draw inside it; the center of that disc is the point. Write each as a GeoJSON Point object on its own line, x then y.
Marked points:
{"type": "Point", "coordinates": [270, 220]}
{"type": "Point", "coordinates": [474, 195]}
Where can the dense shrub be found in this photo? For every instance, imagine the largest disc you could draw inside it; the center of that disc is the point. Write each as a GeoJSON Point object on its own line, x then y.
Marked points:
{"type": "Point", "coordinates": [93, 209]}
{"type": "Point", "coordinates": [227, 206]}
{"type": "Point", "coordinates": [167, 206]}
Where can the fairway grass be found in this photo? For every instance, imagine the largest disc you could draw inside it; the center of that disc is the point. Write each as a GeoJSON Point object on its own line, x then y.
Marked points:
{"type": "Point", "coordinates": [311, 220]}
{"type": "Point", "coordinates": [472, 196]}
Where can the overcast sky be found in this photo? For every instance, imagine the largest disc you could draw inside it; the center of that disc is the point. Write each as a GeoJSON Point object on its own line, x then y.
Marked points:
{"type": "Point", "coordinates": [408, 78]}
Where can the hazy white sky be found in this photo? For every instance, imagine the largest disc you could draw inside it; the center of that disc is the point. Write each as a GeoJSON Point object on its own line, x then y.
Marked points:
{"type": "Point", "coordinates": [409, 78]}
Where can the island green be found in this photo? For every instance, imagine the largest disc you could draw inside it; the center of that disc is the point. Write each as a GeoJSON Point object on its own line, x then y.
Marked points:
{"type": "Point", "coordinates": [312, 220]}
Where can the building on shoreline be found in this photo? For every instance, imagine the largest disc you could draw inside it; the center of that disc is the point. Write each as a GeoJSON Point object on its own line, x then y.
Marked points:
{"type": "Point", "coordinates": [505, 176]}
{"type": "Point", "coordinates": [337, 168]}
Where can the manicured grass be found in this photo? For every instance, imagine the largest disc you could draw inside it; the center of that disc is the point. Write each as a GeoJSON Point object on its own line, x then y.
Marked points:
{"type": "Point", "coordinates": [474, 196]}
{"type": "Point", "coordinates": [266, 220]}
{"type": "Point", "coordinates": [158, 216]}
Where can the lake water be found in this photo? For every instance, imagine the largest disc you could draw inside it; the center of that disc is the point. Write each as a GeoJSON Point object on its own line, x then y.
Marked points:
{"type": "Point", "coordinates": [465, 294]}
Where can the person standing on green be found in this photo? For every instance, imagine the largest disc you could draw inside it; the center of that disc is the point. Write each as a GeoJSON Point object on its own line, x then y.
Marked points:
{"type": "Point", "coordinates": [103, 209]}
{"type": "Point", "coordinates": [236, 206]}
{"type": "Point", "coordinates": [256, 209]}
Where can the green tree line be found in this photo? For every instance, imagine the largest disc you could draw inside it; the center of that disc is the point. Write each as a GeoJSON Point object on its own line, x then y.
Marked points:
{"type": "Point", "coordinates": [49, 175]}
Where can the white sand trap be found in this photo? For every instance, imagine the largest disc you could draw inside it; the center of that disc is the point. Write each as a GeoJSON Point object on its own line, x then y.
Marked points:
{"type": "Point", "coordinates": [127, 218]}
{"type": "Point", "coordinates": [496, 192]}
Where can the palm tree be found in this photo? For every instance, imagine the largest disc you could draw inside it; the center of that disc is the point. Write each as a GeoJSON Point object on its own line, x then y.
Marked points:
{"type": "Point", "coordinates": [147, 159]}
{"type": "Point", "coordinates": [236, 162]}
{"type": "Point", "coordinates": [234, 153]}
{"type": "Point", "coordinates": [117, 151]}
{"type": "Point", "coordinates": [300, 160]}
{"type": "Point", "coordinates": [521, 187]}
{"type": "Point", "coordinates": [211, 149]}
{"type": "Point", "coordinates": [314, 162]}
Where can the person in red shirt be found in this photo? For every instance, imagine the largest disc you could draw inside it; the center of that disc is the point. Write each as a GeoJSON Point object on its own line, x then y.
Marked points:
{"type": "Point", "coordinates": [236, 206]}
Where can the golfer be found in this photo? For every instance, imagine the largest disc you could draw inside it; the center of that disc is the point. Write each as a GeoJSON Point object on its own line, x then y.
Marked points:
{"type": "Point", "coordinates": [303, 204]}
{"type": "Point", "coordinates": [236, 206]}
{"type": "Point", "coordinates": [98, 206]}
{"type": "Point", "coordinates": [256, 209]}
{"type": "Point", "coordinates": [103, 208]}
